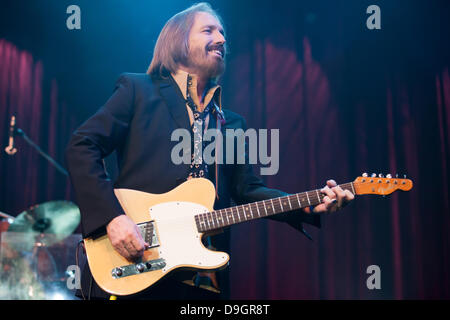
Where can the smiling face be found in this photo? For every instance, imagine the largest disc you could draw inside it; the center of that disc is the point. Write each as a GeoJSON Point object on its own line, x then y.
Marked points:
{"type": "Point", "coordinates": [206, 46]}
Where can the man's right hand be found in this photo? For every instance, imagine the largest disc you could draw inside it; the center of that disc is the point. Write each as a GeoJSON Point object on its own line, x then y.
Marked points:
{"type": "Point", "coordinates": [125, 237]}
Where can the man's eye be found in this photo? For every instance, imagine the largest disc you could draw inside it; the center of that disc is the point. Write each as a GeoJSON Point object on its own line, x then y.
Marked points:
{"type": "Point", "coordinates": [207, 30]}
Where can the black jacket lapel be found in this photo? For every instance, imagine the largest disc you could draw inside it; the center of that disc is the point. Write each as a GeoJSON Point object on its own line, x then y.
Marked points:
{"type": "Point", "coordinates": [175, 102]}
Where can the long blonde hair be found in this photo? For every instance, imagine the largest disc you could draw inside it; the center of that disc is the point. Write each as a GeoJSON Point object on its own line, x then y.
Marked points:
{"type": "Point", "coordinates": [172, 47]}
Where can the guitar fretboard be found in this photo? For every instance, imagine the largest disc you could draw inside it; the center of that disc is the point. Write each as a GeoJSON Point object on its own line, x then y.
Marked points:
{"type": "Point", "coordinates": [218, 219]}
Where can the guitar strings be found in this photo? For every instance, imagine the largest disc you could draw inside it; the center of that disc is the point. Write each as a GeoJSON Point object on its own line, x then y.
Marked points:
{"type": "Point", "coordinates": [299, 197]}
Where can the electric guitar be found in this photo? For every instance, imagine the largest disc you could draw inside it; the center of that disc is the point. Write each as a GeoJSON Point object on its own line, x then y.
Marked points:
{"type": "Point", "coordinates": [174, 223]}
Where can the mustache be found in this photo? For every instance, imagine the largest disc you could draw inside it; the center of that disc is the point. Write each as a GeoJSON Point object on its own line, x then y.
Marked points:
{"type": "Point", "coordinates": [219, 47]}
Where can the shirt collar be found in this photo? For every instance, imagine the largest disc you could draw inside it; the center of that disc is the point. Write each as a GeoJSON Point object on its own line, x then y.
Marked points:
{"type": "Point", "coordinates": [213, 92]}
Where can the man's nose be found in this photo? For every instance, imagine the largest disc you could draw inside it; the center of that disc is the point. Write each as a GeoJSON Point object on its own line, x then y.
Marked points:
{"type": "Point", "coordinates": [219, 38]}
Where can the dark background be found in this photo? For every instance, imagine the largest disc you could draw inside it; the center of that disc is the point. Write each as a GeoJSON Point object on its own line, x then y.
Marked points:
{"type": "Point", "coordinates": [346, 99]}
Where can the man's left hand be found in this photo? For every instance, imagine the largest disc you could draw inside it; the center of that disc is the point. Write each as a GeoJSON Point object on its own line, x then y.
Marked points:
{"type": "Point", "coordinates": [335, 198]}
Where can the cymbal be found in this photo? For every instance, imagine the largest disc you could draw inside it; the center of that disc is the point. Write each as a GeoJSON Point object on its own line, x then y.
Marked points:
{"type": "Point", "coordinates": [58, 217]}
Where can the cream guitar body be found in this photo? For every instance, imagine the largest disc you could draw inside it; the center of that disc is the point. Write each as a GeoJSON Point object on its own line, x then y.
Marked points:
{"type": "Point", "coordinates": [175, 222]}
{"type": "Point", "coordinates": [176, 242]}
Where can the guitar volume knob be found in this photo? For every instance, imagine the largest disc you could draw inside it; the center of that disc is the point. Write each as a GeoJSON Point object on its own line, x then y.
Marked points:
{"type": "Point", "coordinates": [140, 267]}
{"type": "Point", "coordinates": [117, 272]}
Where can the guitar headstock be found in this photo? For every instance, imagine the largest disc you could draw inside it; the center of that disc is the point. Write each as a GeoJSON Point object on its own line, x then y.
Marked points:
{"type": "Point", "coordinates": [380, 184]}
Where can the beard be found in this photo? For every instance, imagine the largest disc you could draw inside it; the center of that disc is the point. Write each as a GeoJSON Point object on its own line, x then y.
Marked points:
{"type": "Point", "coordinates": [205, 63]}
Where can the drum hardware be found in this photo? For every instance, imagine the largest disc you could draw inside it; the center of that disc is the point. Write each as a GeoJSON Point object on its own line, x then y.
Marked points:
{"type": "Point", "coordinates": [41, 229]}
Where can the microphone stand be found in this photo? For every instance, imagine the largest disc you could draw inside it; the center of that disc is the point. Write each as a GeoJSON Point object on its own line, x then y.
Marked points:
{"type": "Point", "coordinates": [21, 133]}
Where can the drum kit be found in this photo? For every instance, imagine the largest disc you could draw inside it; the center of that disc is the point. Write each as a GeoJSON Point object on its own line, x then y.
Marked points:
{"type": "Point", "coordinates": [37, 244]}
{"type": "Point", "coordinates": [59, 218]}
{"type": "Point", "coordinates": [36, 249]}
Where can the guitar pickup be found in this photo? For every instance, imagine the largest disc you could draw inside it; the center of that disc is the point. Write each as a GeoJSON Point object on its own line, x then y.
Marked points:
{"type": "Point", "coordinates": [148, 233]}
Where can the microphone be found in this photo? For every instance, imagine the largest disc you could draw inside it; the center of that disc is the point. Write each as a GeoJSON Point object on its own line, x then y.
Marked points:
{"type": "Point", "coordinates": [12, 131]}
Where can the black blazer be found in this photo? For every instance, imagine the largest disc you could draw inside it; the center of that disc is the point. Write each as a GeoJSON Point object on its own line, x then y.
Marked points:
{"type": "Point", "coordinates": [137, 121]}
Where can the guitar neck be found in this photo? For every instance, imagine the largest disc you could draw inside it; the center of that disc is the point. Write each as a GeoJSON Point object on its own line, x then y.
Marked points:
{"type": "Point", "coordinates": [218, 219]}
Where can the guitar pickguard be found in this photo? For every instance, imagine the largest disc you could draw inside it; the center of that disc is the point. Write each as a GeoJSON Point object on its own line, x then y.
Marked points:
{"type": "Point", "coordinates": [180, 242]}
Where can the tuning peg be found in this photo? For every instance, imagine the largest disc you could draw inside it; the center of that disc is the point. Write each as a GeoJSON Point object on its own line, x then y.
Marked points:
{"type": "Point", "coordinates": [373, 175]}
{"type": "Point", "coordinates": [404, 176]}
{"type": "Point", "coordinates": [389, 176]}
{"type": "Point", "coordinates": [380, 175]}
{"type": "Point", "coordinates": [396, 175]}
{"type": "Point", "coordinates": [365, 175]}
